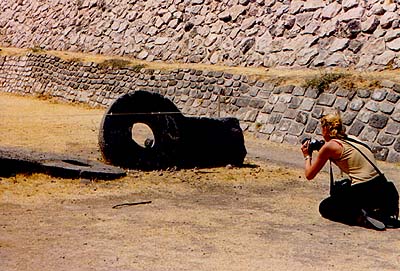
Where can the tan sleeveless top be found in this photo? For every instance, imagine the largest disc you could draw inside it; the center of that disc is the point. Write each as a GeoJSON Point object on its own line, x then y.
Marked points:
{"type": "Point", "coordinates": [354, 164]}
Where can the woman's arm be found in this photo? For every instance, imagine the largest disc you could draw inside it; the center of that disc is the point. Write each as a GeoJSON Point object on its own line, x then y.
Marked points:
{"type": "Point", "coordinates": [329, 150]}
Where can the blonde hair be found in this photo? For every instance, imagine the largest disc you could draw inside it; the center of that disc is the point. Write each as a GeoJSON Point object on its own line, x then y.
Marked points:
{"type": "Point", "coordinates": [334, 123]}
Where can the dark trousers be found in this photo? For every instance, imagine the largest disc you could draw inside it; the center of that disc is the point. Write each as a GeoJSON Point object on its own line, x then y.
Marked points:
{"type": "Point", "coordinates": [375, 196]}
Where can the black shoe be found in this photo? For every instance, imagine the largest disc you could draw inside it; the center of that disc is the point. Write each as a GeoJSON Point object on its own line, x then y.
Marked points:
{"type": "Point", "coordinates": [392, 223]}
{"type": "Point", "coordinates": [371, 222]}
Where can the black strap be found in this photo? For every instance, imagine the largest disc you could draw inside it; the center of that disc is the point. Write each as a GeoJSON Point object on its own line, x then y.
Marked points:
{"type": "Point", "coordinates": [331, 178]}
{"type": "Point", "coordinates": [347, 139]}
{"type": "Point", "coordinates": [353, 140]}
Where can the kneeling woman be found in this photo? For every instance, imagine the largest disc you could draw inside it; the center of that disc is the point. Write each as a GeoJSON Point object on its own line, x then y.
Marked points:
{"type": "Point", "coordinates": [371, 200]}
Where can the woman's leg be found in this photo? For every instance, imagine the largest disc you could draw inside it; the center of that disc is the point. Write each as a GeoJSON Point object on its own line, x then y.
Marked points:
{"type": "Point", "coordinates": [339, 208]}
{"type": "Point", "coordinates": [351, 206]}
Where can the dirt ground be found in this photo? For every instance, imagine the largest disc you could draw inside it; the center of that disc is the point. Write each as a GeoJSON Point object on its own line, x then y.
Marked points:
{"type": "Point", "coordinates": [262, 216]}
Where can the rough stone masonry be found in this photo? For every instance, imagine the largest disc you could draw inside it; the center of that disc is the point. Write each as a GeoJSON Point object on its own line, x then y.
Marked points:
{"type": "Point", "coordinates": [271, 33]}
{"type": "Point", "coordinates": [280, 113]}
{"type": "Point", "coordinates": [356, 34]}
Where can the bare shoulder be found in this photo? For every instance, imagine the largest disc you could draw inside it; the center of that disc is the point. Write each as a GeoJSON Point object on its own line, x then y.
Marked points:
{"type": "Point", "coordinates": [333, 148]}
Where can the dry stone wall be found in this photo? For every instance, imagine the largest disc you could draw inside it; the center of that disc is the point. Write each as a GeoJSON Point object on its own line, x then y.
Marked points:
{"type": "Point", "coordinates": [362, 34]}
{"type": "Point", "coordinates": [277, 113]}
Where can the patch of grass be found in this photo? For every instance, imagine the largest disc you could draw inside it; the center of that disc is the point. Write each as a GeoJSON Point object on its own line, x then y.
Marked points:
{"type": "Point", "coordinates": [118, 63]}
{"type": "Point", "coordinates": [138, 67]}
{"type": "Point", "coordinates": [323, 81]}
{"type": "Point", "coordinates": [115, 63]}
{"type": "Point", "coordinates": [36, 49]}
{"type": "Point", "coordinates": [76, 59]}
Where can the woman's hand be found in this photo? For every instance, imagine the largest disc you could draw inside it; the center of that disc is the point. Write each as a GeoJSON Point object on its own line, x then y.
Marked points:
{"type": "Point", "coordinates": [304, 148]}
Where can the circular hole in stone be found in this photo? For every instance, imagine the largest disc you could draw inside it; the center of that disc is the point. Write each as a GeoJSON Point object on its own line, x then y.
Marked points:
{"type": "Point", "coordinates": [143, 135]}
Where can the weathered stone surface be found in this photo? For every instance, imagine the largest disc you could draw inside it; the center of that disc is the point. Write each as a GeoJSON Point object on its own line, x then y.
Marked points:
{"type": "Point", "coordinates": [380, 153]}
{"type": "Point", "coordinates": [331, 10]}
{"type": "Point", "coordinates": [352, 14]}
{"type": "Point", "coordinates": [385, 140]}
{"type": "Point", "coordinates": [158, 31]}
{"type": "Point", "coordinates": [369, 134]}
{"type": "Point", "coordinates": [397, 145]}
{"type": "Point", "coordinates": [313, 5]}
{"type": "Point", "coordinates": [386, 108]}
{"type": "Point", "coordinates": [392, 97]}
{"type": "Point", "coordinates": [356, 128]}
{"type": "Point", "coordinates": [348, 4]}
{"type": "Point", "coordinates": [339, 44]}
{"type": "Point", "coordinates": [392, 34]}
{"type": "Point", "coordinates": [311, 126]}
{"type": "Point", "coordinates": [394, 45]}
{"type": "Point", "coordinates": [393, 128]}
{"type": "Point", "coordinates": [375, 47]}
{"type": "Point", "coordinates": [348, 117]}
{"type": "Point", "coordinates": [249, 33]}
{"type": "Point", "coordinates": [378, 121]}
{"type": "Point", "coordinates": [370, 24]}
{"type": "Point", "coordinates": [372, 106]}
{"type": "Point", "coordinates": [336, 59]}
{"type": "Point", "coordinates": [393, 157]}
{"type": "Point", "coordinates": [379, 94]}
{"type": "Point", "coordinates": [326, 99]}
{"type": "Point", "coordinates": [356, 105]}
{"type": "Point", "coordinates": [296, 129]}
{"type": "Point", "coordinates": [388, 18]}
{"type": "Point", "coordinates": [385, 59]}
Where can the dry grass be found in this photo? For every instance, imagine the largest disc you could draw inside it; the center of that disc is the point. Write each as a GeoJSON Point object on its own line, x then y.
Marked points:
{"type": "Point", "coordinates": [282, 76]}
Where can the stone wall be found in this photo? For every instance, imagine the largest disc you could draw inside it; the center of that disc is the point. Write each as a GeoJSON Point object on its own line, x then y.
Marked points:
{"type": "Point", "coordinates": [274, 112]}
{"type": "Point", "coordinates": [271, 33]}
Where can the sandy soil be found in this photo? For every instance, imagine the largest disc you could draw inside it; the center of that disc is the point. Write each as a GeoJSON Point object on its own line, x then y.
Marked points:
{"type": "Point", "coordinates": [262, 216]}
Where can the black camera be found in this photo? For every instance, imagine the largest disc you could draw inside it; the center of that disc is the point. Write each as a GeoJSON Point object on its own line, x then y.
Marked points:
{"type": "Point", "coordinates": [314, 145]}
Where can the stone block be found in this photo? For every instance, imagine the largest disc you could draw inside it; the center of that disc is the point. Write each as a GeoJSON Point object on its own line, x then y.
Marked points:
{"type": "Point", "coordinates": [386, 108]}
{"type": "Point", "coordinates": [326, 99]}
{"type": "Point", "coordinates": [356, 128]}
{"type": "Point", "coordinates": [242, 101]}
{"type": "Point", "coordinates": [356, 105]}
{"type": "Point", "coordinates": [298, 91]}
{"type": "Point", "coordinates": [392, 97]}
{"type": "Point", "coordinates": [363, 93]}
{"type": "Point", "coordinates": [312, 126]}
{"type": "Point", "coordinates": [295, 102]}
{"type": "Point", "coordinates": [251, 115]}
{"type": "Point", "coordinates": [341, 92]}
{"type": "Point", "coordinates": [273, 99]}
{"type": "Point", "coordinates": [385, 140]}
{"type": "Point", "coordinates": [253, 92]}
{"type": "Point", "coordinates": [290, 114]}
{"type": "Point", "coordinates": [348, 117]}
{"type": "Point", "coordinates": [372, 106]}
{"type": "Point", "coordinates": [277, 137]}
{"type": "Point", "coordinates": [274, 118]}
{"type": "Point", "coordinates": [379, 94]}
{"type": "Point", "coordinates": [340, 103]}
{"type": "Point", "coordinates": [393, 157]}
{"type": "Point", "coordinates": [397, 145]}
{"type": "Point", "coordinates": [302, 117]}
{"type": "Point", "coordinates": [291, 139]}
{"type": "Point", "coordinates": [257, 103]}
{"type": "Point", "coordinates": [296, 129]}
{"type": "Point", "coordinates": [369, 134]}
{"type": "Point", "coordinates": [393, 128]}
{"type": "Point", "coordinates": [267, 108]}
{"type": "Point", "coordinates": [378, 121]}
{"type": "Point", "coordinates": [280, 108]}
{"type": "Point", "coordinates": [267, 129]}
{"type": "Point", "coordinates": [284, 125]}
{"type": "Point", "coordinates": [380, 153]}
